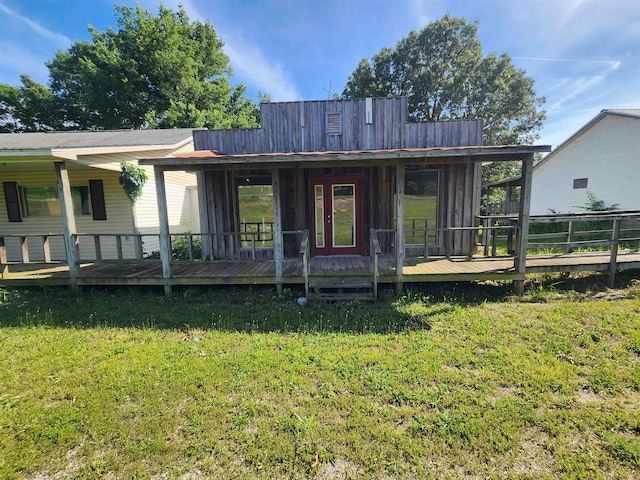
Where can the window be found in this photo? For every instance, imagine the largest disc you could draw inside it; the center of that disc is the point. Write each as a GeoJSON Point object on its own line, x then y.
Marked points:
{"type": "Point", "coordinates": [420, 205]}
{"type": "Point", "coordinates": [580, 183]}
{"type": "Point", "coordinates": [43, 201]}
{"type": "Point", "coordinates": [255, 205]}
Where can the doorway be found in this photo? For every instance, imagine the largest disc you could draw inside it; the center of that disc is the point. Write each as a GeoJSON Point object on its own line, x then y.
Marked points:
{"type": "Point", "coordinates": [337, 227]}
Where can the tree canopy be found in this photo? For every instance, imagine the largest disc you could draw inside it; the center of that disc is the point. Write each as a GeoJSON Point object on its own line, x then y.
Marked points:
{"type": "Point", "coordinates": [444, 74]}
{"type": "Point", "coordinates": [28, 108]}
{"type": "Point", "coordinates": [152, 71]}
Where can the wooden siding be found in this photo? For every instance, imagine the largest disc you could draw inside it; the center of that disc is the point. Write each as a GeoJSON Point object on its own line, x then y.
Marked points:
{"type": "Point", "coordinates": [608, 154]}
{"type": "Point", "coordinates": [302, 127]}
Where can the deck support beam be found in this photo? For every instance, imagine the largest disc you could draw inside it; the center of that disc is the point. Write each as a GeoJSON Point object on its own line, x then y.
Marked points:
{"type": "Point", "coordinates": [523, 222]}
{"type": "Point", "coordinates": [68, 223]}
{"type": "Point", "coordinates": [399, 227]}
{"type": "Point", "coordinates": [277, 227]}
{"type": "Point", "coordinates": [165, 239]}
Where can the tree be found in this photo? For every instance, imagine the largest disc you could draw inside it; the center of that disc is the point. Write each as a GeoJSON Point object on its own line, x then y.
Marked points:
{"type": "Point", "coordinates": [442, 71]}
{"type": "Point", "coordinates": [152, 71]}
{"type": "Point", "coordinates": [28, 108]}
{"type": "Point", "coordinates": [445, 76]}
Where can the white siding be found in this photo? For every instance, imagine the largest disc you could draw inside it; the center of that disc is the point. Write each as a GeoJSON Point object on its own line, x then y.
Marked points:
{"type": "Point", "coordinates": [119, 215]}
{"type": "Point", "coordinates": [146, 207]}
{"type": "Point", "coordinates": [607, 154]}
{"type": "Point", "coordinates": [179, 206]}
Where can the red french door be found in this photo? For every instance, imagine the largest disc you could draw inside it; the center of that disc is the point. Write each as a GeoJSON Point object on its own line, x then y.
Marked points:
{"type": "Point", "coordinates": [337, 211]}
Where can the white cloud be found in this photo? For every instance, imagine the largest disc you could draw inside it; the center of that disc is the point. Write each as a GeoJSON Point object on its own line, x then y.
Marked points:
{"type": "Point", "coordinates": [61, 41]}
{"type": "Point", "coordinates": [251, 64]}
{"type": "Point", "coordinates": [571, 87]}
{"type": "Point", "coordinates": [248, 61]}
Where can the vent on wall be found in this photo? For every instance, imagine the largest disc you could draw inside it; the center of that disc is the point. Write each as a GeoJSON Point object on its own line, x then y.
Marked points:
{"type": "Point", "coordinates": [580, 183]}
{"type": "Point", "coordinates": [334, 123]}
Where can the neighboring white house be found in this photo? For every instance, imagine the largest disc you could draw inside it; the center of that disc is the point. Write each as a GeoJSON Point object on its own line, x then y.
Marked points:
{"type": "Point", "coordinates": [601, 159]}
{"type": "Point", "coordinates": [28, 197]}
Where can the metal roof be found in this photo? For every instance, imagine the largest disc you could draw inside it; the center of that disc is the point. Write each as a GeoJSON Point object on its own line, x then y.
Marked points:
{"type": "Point", "coordinates": [92, 139]}
{"type": "Point", "coordinates": [475, 153]}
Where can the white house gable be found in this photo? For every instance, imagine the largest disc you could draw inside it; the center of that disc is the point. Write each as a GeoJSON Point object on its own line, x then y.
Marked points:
{"type": "Point", "coordinates": [603, 160]}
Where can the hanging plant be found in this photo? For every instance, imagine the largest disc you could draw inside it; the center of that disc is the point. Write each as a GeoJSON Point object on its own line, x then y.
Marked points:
{"type": "Point", "coordinates": [132, 179]}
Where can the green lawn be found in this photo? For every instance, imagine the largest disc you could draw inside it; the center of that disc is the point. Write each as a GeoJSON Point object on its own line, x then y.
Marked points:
{"type": "Point", "coordinates": [452, 382]}
{"type": "Point", "coordinates": [417, 210]}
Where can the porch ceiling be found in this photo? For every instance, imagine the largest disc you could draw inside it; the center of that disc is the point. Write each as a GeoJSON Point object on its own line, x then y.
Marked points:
{"type": "Point", "coordinates": [433, 155]}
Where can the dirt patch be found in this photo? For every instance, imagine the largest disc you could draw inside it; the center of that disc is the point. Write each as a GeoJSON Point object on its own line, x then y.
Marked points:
{"type": "Point", "coordinates": [337, 469]}
{"type": "Point", "coordinates": [610, 295]}
{"type": "Point", "coordinates": [502, 392]}
{"type": "Point", "coordinates": [534, 459]}
{"type": "Point", "coordinates": [586, 396]}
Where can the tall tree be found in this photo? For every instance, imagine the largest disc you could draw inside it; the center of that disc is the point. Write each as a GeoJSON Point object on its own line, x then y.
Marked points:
{"type": "Point", "coordinates": [445, 75]}
{"type": "Point", "coordinates": [28, 108]}
{"type": "Point", "coordinates": [151, 71]}
{"type": "Point", "coordinates": [442, 71]}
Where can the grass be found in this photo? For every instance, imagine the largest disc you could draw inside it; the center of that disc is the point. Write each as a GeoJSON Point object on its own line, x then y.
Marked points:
{"type": "Point", "coordinates": [448, 382]}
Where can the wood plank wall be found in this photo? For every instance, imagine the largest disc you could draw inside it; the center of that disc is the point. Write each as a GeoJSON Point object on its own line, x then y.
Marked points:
{"type": "Point", "coordinates": [302, 127]}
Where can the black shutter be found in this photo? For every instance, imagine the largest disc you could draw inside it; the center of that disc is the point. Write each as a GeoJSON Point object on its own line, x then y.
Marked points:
{"type": "Point", "coordinates": [97, 200]}
{"type": "Point", "coordinates": [12, 201]}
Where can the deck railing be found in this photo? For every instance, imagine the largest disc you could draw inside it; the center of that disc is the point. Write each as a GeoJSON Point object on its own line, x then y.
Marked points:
{"type": "Point", "coordinates": [548, 234]}
{"type": "Point", "coordinates": [22, 243]}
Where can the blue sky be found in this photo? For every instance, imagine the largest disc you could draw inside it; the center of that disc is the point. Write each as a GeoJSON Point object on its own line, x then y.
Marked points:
{"type": "Point", "coordinates": [583, 54]}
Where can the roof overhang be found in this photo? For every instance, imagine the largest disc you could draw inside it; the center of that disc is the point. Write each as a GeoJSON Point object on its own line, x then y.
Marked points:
{"type": "Point", "coordinates": [206, 160]}
{"type": "Point", "coordinates": [82, 156]}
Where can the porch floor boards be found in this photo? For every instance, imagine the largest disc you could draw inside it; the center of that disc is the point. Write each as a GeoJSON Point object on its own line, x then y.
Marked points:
{"type": "Point", "coordinates": [337, 268]}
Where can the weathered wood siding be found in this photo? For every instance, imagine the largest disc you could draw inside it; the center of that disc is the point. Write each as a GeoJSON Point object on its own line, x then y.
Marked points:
{"type": "Point", "coordinates": [302, 127]}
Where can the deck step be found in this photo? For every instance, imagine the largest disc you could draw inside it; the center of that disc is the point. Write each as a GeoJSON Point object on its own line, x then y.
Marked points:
{"type": "Point", "coordinates": [343, 290]}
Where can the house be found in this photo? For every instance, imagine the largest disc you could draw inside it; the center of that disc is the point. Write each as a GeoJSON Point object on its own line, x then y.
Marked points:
{"type": "Point", "coordinates": [353, 175]}
{"type": "Point", "coordinates": [601, 160]}
{"type": "Point", "coordinates": [33, 164]}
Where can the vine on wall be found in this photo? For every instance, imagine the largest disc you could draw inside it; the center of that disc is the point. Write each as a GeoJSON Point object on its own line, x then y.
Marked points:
{"type": "Point", "coordinates": [132, 179]}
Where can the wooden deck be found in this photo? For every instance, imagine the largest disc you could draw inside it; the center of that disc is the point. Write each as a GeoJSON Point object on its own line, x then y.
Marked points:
{"type": "Point", "coordinates": [338, 268]}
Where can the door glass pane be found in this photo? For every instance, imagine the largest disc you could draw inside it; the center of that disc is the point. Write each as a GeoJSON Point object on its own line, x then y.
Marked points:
{"type": "Point", "coordinates": [319, 215]}
{"type": "Point", "coordinates": [344, 215]}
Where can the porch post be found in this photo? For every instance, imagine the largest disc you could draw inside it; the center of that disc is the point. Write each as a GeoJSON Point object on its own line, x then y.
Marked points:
{"type": "Point", "coordinates": [203, 212]}
{"type": "Point", "coordinates": [277, 227]}
{"type": "Point", "coordinates": [165, 240]}
{"type": "Point", "coordinates": [68, 222]}
{"type": "Point", "coordinates": [399, 226]}
{"type": "Point", "coordinates": [523, 220]}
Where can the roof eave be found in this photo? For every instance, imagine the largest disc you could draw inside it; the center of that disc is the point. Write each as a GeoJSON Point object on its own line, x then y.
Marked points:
{"type": "Point", "coordinates": [479, 154]}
